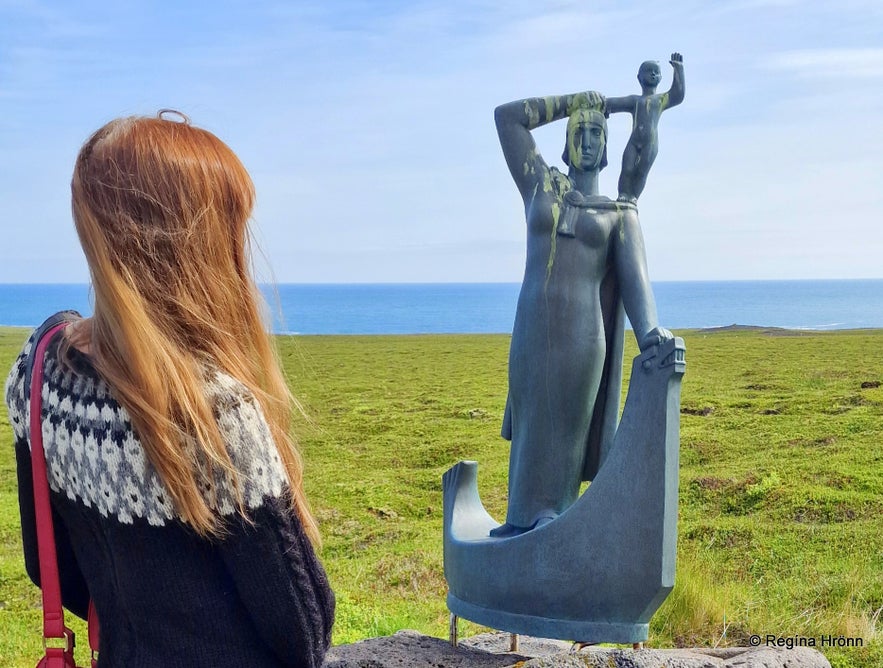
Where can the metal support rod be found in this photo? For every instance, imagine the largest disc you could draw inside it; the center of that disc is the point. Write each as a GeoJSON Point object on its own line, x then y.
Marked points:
{"type": "Point", "coordinates": [453, 636]}
{"type": "Point", "coordinates": [513, 642]}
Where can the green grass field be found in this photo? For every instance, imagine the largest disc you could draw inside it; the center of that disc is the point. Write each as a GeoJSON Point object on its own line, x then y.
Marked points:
{"type": "Point", "coordinates": [781, 495]}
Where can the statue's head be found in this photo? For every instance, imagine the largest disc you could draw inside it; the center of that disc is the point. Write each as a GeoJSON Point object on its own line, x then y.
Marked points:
{"type": "Point", "coordinates": [649, 74]}
{"type": "Point", "coordinates": [586, 148]}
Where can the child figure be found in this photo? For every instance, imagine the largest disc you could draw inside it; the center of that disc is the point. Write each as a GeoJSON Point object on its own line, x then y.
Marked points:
{"type": "Point", "coordinates": [646, 108]}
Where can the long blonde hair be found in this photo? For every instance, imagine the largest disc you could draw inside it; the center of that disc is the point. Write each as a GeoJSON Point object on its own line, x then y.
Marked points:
{"type": "Point", "coordinates": [162, 209]}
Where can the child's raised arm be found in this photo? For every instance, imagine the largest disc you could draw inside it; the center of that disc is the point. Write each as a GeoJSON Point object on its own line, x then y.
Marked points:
{"type": "Point", "coordinates": [675, 94]}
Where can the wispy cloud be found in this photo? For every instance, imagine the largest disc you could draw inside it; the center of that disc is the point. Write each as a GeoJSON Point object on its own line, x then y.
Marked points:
{"type": "Point", "coordinates": [838, 63]}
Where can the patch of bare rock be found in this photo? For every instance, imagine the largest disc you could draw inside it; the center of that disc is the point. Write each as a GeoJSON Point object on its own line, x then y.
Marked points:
{"type": "Point", "coordinates": [409, 649]}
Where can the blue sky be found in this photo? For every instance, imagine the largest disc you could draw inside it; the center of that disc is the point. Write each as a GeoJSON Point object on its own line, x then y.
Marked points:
{"type": "Point", "coordinates": [368, 127]}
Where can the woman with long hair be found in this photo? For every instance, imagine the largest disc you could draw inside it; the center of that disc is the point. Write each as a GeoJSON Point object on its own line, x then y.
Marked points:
{"type": "Point", "coordinates": [175, 482]}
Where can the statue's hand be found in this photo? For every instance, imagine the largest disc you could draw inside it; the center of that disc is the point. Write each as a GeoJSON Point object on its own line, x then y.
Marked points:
{"type": "Point", "coordinates": [590, 99]}
{"type": "Point", "coordinates": [677, 60]}
{"type": "Point", "coordinates": [654, 337]}
{"type": "Point", "coordinates": [595, 100]}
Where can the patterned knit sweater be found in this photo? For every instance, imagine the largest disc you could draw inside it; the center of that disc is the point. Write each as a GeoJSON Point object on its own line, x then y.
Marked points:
{"type": "Point", "coordinates": [255, 597]}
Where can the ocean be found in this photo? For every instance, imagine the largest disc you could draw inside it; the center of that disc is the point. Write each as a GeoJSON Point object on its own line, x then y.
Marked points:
{"type": "Point", "coordinates": [490, 307]}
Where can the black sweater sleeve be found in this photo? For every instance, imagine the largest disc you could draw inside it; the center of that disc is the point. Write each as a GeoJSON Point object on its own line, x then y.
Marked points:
{"type": "Point", "coordinates": [281, 582]}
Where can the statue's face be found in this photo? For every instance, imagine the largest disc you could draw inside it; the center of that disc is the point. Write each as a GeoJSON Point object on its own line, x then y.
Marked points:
{"type": "Point", "coordinates": [586, 138]}
{"type": "Point", "coordinates": [649, 74]}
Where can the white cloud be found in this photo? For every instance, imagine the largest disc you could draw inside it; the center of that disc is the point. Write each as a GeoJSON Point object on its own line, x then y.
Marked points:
{"type": "Point", "coordinates": [837, 63]}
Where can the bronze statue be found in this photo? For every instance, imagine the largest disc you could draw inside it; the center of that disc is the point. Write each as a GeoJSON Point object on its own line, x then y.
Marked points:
{"type": "Point", "coordinates": [585, 260]}
{"type": "Point", "coordinates": [593, 567]}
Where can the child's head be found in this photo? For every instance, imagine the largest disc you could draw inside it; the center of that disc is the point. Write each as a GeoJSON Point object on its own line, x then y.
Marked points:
{"type": "Point", "coordinates": [649, 74]}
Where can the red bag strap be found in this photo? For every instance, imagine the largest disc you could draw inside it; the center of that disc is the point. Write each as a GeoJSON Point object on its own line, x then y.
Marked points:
{"type": "Point", "coordinates": [53, 615]}
{"type": "Point", "coordinates": [92, 621]}
{"type": "Point", "coordinates": [58, 639]}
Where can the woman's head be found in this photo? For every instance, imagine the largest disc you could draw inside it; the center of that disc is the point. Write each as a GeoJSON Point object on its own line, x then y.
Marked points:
{"type": "Point", "coordinates": [162, 209]}
{"type": "Point", "coordinates": [586, 148]}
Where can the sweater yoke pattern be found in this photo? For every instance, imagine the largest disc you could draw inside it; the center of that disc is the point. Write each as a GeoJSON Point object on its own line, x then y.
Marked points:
{"type": "Point", "coordinates": [93, 454]}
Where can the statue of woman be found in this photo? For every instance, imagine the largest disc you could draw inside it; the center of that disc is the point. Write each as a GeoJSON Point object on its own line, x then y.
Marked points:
{"type": "Point", "coordinates": [585, 261]}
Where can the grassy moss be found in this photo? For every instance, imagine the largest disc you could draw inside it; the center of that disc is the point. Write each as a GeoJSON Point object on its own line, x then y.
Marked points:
{"type": "Point", "coordinates": [780, 500]}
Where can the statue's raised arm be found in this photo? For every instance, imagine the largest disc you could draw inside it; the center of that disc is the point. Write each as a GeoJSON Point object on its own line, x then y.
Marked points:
{"type": "Point", "coordinates": [678, 88]}
{"type": "Point", "coordinates": [516, 119]}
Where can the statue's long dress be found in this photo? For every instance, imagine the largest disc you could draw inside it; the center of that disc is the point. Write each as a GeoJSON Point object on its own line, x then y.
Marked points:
{"type": "Point", "coordinates": [565, 360]}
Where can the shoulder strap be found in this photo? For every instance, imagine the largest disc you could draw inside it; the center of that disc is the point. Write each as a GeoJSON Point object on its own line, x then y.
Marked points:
{"type": "Point", "coordinates": [53, 615]}
{"type": "Point", "coordinates": [53, 623]}
{"type": "Point", "coordinates": [51, 323]}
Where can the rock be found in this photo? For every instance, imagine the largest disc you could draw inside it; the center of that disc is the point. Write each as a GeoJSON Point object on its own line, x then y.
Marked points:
{"type": "Point", "coordinates": [731, 657]}
{"type": "Point", "coordinates": [409, 649]}
{"type": "Point", "coordinates": [498, 643]}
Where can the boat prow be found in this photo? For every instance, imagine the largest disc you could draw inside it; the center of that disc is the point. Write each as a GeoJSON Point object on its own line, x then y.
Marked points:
{"type": "Point", "coordinates": [599, 571]}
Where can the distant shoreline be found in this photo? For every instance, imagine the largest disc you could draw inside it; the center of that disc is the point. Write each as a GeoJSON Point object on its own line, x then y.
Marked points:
{"type": "Point", "coordinates": [754, 329]}
{"type": "Point", "coordinates": [774, 331]}
{"type": "Point", "coordinates": [472, 308]}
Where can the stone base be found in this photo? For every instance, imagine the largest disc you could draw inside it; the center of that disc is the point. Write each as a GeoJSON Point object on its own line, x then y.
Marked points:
{"type": "Point", "coordinates": [409, 649]}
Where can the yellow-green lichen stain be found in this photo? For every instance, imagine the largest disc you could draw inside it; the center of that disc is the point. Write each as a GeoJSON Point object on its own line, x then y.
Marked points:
{"type": "Point", "coordinates": [552, 103]}
{"type": "Point", "coordinates": [553, 243]}
{"type": "Point", "coordinates": [530, 161]}
{"type": "Point", "coordinates": [532, 113]}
